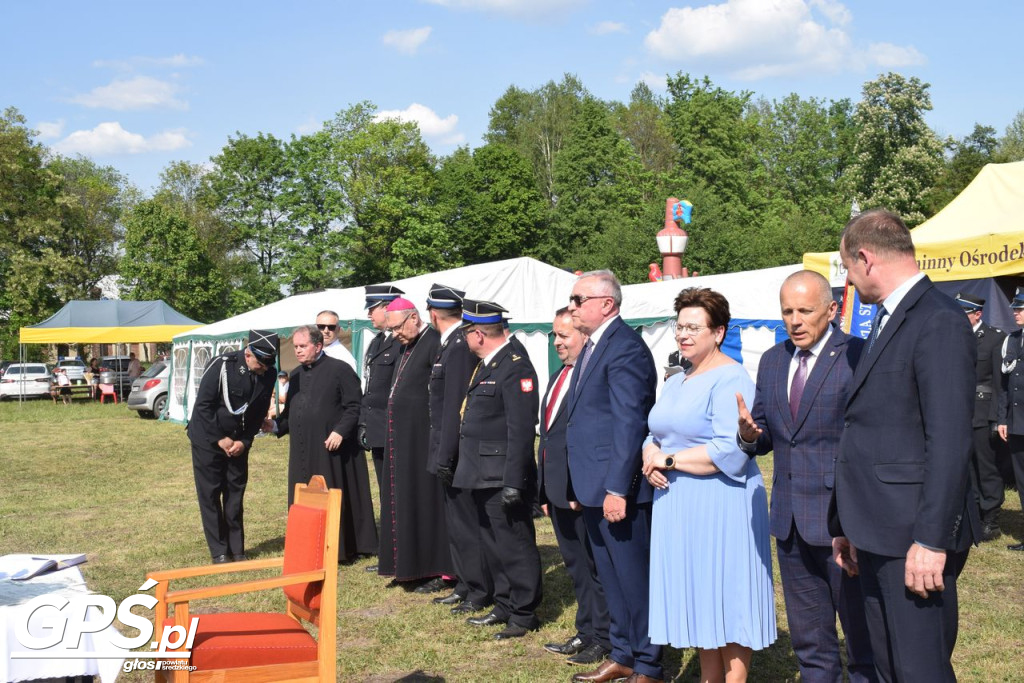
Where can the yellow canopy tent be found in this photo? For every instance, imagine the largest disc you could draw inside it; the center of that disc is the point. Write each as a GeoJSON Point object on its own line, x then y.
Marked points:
{"type": "Point", "coordinates": [979, 234]}
{"type": "Point", "coordinates": [109, 322]}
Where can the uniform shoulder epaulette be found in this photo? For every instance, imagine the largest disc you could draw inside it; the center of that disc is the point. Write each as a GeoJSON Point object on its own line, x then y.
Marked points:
{"type": "Point", "coordinates": [515, 357]}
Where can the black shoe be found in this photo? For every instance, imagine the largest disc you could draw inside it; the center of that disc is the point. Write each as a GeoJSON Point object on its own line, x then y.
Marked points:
{"type": "Point", "coordinates": [1017, 546]}
{"type": "Point", "coordinates": [513, 631]}
{"type": "Point", "coordinates": [991, 532]}
{"type": "Point", "coordinates": [451, 599]}
{"type": "Point", "coordinates": [372, 569]}
{"type": "Point", "coordinates": [591, 654]}
{"type": "Point", "coordinates": [467, 607]}
{"type": "Point", "coordinates": [489, 619]}
{"type": "Point", "coordinates": [221, 559]}
{"type": "Point", "coordinates": [569, 647]}
{"type": "Point", "coordinates": [435, 585]}
{"type": "Point", "coordinates": [239, 558]}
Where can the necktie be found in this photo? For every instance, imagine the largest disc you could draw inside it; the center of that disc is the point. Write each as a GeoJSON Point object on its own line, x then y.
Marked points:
{"type": "Point", "coordinates": [796, 391]}
{"type": "Point", "coordinates": [876, 327]}
{"type": "Point", "coordinates": [587, 349]}
{"type": "Point", "coordinates": [553, 399]}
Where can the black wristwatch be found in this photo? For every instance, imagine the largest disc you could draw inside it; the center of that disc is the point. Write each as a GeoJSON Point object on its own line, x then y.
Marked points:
{"type": "Point", "coordinates": [670, 462]}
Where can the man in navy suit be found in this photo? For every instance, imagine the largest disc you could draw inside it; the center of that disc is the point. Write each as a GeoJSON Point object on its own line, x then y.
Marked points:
{"type": "Point", "coordinates": [802, 387]}
{"type": "Point", "coordinates": [590, 644]}
{"type": "Point", "coordinates": [609, 399]}
{"type": "Point", "coordinates": [904, 515]}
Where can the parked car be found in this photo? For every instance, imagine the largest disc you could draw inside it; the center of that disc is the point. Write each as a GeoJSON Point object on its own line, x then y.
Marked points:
{"type": "Point", "coordinates": [149, 391]}
{"type": "Point", "coordinates": [25, 379]}
{"type": "Point", "coordinates": [4, 365]}
{"type": "Point", "coordinates": [74, 368]}
{"type": "Point", "coordinates": [114, 370]}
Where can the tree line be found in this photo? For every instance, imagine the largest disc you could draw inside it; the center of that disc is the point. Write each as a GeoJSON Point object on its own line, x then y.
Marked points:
{"type": "Point", "coordinates": [562, 176]}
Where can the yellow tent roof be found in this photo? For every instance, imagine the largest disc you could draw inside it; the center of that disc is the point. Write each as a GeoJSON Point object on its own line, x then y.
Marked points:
{"type": "Point", "coordinates": [109, 322]}
{"type": "Point", "coordinates": [978, 234]}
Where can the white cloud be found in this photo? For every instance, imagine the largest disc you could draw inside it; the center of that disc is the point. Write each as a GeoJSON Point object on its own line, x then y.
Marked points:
{"type": "Point", "coordinates": [521, 9]}
{"type": "Point", "coordinates": [754, 39]}
{"type": "Point", "coordinates": [310, 125]}
{"type": "Point", "coordinates": [407, 41]}
{"type": "Point", "coordinates": [431, 125]}
{"type": "Point", "coordinates": [141, 92]}
{"type": "Point", "coordinates": [606, 27]}
{"type": "Point", "coordinates": [655, 81]}
{"type": "Point", "coordinates": [892, 56]}
{"type": "Point", "coordinates": [111, 138]}
{"type": "Point", "coordinates": [49, 130]}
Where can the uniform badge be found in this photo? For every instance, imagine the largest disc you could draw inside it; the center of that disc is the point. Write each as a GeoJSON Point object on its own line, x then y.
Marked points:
{"type": "Point", "coordinates": [526, 385]}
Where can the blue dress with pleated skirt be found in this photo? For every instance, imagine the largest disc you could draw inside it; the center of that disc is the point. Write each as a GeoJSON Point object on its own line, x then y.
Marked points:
{"type": "Point", "coordinates": [711, 567]}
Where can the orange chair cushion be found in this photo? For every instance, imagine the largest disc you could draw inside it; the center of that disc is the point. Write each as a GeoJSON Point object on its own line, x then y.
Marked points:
{"type": "Point", "coordinates": [304, 539]}
{"type": "Point", "coordinates": [232, 640]}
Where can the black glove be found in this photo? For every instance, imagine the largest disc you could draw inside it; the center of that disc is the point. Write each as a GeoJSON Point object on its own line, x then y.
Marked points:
{"type": "Point", "coordinates": [362, 438]}
{"type": "Point", "coordinates": [511, 498]}
{"type": "Point", "coordinates": [446, 475]}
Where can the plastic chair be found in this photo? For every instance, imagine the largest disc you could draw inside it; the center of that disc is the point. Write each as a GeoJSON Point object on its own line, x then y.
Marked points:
{"type": "Point", "coordinates": [267, 646]}
{"type": "Point", "coordinates": [107, 390]}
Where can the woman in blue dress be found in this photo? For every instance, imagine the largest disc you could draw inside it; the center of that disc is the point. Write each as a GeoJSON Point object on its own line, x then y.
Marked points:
{"type": "Point", "coordinates": [711, 569]}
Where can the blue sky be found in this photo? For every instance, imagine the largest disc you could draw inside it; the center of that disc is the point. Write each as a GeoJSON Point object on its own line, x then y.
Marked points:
{"type": "Point", "coordinates": [139, 84]}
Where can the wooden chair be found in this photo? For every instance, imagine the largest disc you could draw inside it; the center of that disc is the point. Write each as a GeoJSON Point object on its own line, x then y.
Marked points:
{"type": "Point", "coordinates": [258, 647]}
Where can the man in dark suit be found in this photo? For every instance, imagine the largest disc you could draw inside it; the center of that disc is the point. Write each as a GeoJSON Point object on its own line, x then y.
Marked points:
{"type": "Point", "coordinates": [496, 463]}
{"type": "Point", "coordinates": [378, 369]}
{"type": "Point", "coordinates": [802, 387]}
{"type": "Point", "coordinates": [590, 645]}
{"type": "Point", "coordinates": [232, 401]}
{"type": "Point", "coordinates": [609, 399]}
{"type": "Point", "coordinates": [987, 481]}
{"type": "Point", "coordinates": [904, 513]}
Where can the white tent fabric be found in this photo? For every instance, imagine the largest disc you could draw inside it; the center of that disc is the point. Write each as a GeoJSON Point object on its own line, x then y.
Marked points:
{"type": "Point", "coordinates": [531, 291]}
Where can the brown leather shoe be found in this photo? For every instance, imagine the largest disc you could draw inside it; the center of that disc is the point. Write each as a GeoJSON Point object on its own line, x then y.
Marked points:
{"type": "Point", "coordinates": [640, 678]}
{"type": "Point", "coordinates": [609, 670]}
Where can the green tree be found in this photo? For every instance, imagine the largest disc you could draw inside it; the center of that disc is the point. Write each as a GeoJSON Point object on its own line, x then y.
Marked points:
{"type": "Point", "coordinates": [645, 125]}
{"type": "Point", "coordinates": [1011, 145]}
{"type": "Point", "coordinates": [898, 157]}
{"type": "Point", "coordinates": [489, 202]}
{"type": "Point", "coordinates": [165, 258]}
{"type": "Point", "coordinates": [315, 204]}
{"type": "Point", "coordinates": [967, 157]}
{"type": "Point", "coordinates": [248, 180]}
{"type": "Point", "coordinates": [385, 173]}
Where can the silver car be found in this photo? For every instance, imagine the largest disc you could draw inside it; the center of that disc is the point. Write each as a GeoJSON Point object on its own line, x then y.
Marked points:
{"type": "Point", "coordinates": [149, 391]}
{"type": "Point", "coordinates": [74, 368]}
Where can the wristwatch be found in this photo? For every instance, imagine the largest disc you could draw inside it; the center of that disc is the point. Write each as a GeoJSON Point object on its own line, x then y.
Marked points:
{"type": "Point", "coordinates": [670, 462]}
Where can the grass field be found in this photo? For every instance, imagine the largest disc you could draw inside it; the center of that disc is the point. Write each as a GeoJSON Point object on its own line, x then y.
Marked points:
{"type": "Point", "coordinates": [97, 479]}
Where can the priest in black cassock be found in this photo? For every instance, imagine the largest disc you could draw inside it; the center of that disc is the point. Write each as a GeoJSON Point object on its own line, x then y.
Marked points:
{"type": "Point", "coordinates": [414, 536]}
{"type": "Point", "coordinates": [321, 412]}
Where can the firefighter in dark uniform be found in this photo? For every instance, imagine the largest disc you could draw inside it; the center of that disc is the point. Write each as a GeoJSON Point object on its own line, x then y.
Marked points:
{"type": "Point", "coordinates": [378, 368]}
{"type": "Point", "coordinates": [231, 404]}
{"type": "Point", "coordinates": [1011, 398]}
{"type": "Point", "coordinates": [496, 464]}
{"type": "Point", "coordinates": [449, 379]}
{"type": "Point", "coordinates": [988, 482]}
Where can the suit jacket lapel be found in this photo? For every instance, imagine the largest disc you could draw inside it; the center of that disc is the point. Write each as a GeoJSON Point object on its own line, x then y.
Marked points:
{"type": "Point", "coordinates": [595, 356]}
{"type": "Point", "coordinates": [892, 325]}
{"type": "Point", "coordinates": [822, 367]}
{"type": "Point", "coordinates": [782, 383]}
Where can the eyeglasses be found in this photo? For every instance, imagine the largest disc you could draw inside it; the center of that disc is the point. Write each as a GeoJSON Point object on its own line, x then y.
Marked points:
{"type": "Point", "coordinates": [396, 328]}
{"type": "Point", "coordinates": [688, 330]}
{"type": "Point", "coordinates": [579, 299]}
{"type": "Point", "coordinates": [332, 328]}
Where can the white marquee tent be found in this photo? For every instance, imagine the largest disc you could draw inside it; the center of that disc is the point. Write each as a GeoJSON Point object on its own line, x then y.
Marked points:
{"type": "Point", "coordinates": [531, 290]}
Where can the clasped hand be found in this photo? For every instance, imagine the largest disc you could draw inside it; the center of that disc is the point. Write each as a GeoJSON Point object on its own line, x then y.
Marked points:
{"type": "Point", "coordinates": [654, 463]}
